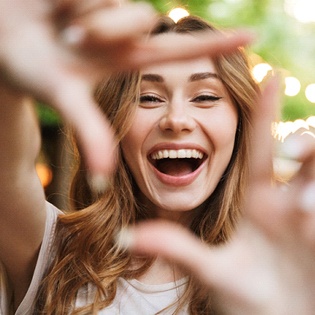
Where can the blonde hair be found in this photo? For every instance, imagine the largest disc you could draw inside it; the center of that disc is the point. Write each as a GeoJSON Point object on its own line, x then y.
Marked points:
{"type": "Point", "coordinates": [85, 248]}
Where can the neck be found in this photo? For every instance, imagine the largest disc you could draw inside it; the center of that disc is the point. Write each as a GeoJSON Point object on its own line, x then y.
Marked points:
{"type": "Point", "coordinates": [184, 218]}
{"type": "Point", "coordinates": [160, 272]}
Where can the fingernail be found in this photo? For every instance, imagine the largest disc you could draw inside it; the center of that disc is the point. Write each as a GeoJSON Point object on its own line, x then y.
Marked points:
{"type": "Point", "coordinates": [125, 238]}
{"type": "Point", "coordinates": [307, 200]}
{"type": "Point", "coordinates": [98, 183]}
{"type": "Point", "coordinates": [73, 35]}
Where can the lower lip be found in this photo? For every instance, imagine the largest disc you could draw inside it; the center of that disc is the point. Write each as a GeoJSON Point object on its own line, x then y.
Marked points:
{"type": "Point", "coordinates": [178, 181]}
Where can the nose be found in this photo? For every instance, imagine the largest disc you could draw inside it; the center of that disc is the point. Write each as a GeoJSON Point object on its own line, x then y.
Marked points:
{"type": "Point", "coordinates": [177, 119]}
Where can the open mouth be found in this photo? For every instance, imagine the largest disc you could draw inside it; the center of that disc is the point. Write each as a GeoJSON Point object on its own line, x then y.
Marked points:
{"type": "Point", "coordinates": [177, 162]}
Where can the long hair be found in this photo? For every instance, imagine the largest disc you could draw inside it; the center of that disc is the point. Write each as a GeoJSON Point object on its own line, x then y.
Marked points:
{"type": "Point", "coordinates": [85, 248]}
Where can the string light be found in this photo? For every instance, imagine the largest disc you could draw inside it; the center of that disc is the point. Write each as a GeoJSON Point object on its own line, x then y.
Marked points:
{"type": "Point", "coordinates": [292, 86]}
{"type": "Point", "coordinates": [177, 14]}
{"type": "Point", "coordinates": [260, 71]}
{"type": "Point", "coordinates": [283, 129]}
{"type": "Point", "coordinates": [302, 10]}
{"type": "Point", "coordinates": [310, 92]}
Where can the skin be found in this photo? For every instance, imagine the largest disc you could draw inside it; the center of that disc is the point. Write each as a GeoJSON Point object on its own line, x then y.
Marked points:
{"type": "Point", "coordinates": [80, 43]}
{"type": "Point", "coordinates": [279, 229]}
{"type": "Point", "coordinates": [107, 38]}
{"type": "Point", "coordinates": [268, 266]}
{"type": "Point", "coordinates": [183, 105]}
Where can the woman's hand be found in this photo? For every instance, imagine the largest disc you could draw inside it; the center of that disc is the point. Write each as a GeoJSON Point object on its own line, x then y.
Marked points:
{"type": "Point", "coordinates": [268, 267]}
{"type": "Point", "coordinates": [56, 51]}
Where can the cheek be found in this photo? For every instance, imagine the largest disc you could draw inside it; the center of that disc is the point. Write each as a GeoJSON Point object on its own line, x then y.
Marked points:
{"type": "Point", "coordinates": [142, 122]}
{"type": "Point", "coordinates": [227, 133]}
{"type": "Point", "coordinates": [221, 128]}
{"type": "Point", "coordinates": [130, 144]}
{"type": "Point", "coordinates": [130, 150]}
{"type": "Point", "coordinates": [133, 141]}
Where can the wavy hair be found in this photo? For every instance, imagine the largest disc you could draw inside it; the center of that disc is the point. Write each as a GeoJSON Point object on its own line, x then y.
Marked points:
{"type": "Point", "coordinates": [85, 249]}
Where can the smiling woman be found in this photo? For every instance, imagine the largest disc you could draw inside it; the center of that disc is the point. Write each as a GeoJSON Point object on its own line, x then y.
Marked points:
{"type": "Point", "coordinates": [182, 129]}
{"type": "Point", "coordinates": [184, 107]}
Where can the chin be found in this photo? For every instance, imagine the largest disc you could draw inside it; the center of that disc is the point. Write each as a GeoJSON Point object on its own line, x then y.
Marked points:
{"type": "Point", "coordinates": [179, 208]}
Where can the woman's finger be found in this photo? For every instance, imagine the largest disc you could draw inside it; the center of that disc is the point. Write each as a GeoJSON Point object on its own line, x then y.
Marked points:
{"type": "Point", "coordinates": [262, 141]}
{"type": "Point", "coordinates": [301, 148]}
{"type": "Point", "coordinates": [171, 47]}
{"type": "Point", "coordinates": [173, 242]}
{"type": "Point", "coordinates": [125, 44]}
{"type": "Point", "coordinates": [77, 106]}
{"type": "Point", "coordinates": [108, 26]}
{"type": "Point", "coordinates": [265, 199]}
{"type": "Point", "coordinates": [214, 266]}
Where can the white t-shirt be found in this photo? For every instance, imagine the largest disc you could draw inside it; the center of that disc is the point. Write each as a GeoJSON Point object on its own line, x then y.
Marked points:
{"type": "Point", "coordinates": [132, 298]}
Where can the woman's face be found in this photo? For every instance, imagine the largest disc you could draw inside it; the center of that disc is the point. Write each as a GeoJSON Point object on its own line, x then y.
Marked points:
{"type": "Point", "coordinates": [182, 137]}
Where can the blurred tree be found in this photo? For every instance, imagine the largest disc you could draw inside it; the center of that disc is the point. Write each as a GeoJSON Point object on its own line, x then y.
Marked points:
{"type": "Point", "coordinates": [47, 116]}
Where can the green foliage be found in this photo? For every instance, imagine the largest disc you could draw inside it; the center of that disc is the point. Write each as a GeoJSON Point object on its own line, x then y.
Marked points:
{"type": "Point", "coordinates": [297, 107]}
{"type": "Point", "coordinates": [47, 116]}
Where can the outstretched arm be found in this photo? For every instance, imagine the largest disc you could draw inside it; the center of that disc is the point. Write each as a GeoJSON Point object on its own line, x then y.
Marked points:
{"type": "Point", "coordinates": [22, 215]}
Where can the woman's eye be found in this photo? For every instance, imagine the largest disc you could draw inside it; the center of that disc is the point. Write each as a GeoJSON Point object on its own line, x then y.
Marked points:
{"type": "Point", "coordinates": [149, 99]}
{"type": "Point", "coordinates": [206, 98]}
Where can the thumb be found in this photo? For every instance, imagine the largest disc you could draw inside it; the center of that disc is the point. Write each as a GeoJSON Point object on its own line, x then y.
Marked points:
{"type": "Point", "coordinates": [173, 242]}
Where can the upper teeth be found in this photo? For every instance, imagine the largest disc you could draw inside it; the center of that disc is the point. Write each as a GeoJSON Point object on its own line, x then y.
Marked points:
{"type": "Point", "coordinates": [177, 154]}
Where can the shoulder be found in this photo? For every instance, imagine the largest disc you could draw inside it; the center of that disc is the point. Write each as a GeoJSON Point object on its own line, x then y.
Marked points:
{"type": "Point", "coordinates": [44, 260]}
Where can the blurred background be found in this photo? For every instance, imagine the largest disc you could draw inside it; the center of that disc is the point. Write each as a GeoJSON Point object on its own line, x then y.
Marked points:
{"type": "Point", "coordinates": [285, 43]}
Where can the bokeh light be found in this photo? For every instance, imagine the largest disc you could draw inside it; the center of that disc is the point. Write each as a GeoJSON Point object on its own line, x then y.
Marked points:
{"type": "Point", "coordinates": [44, 173]}
{"type": "Point", "coordinates": [260, 71]}
{"type": "Point", "coordinates": [292, 86]}
{"type": "Point", "coordinates": [177, 14]}
{"type": "Point", "coordinates": [310, 92]}
{"type": "Point", "coordinates": [302, 10]}
{"type": "Point", "coordinates": [283, 129]}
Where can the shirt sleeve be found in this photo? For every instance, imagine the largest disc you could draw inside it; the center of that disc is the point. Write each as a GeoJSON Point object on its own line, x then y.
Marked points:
{"type": "Point", "coordinates": [43, 261]}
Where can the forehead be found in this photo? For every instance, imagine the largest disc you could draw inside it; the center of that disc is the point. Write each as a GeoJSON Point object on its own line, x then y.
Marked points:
{"type": "Point", "coordinates": [182, 69]}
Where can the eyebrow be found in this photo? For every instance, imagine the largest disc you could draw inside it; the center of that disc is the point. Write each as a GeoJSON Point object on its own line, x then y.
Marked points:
{"type": "Point", "coordinates": [203, 76]}
{"type": "Point", "coordinates": [152, 78]}
{"type": "Point", "coordinates": [194, 77]}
